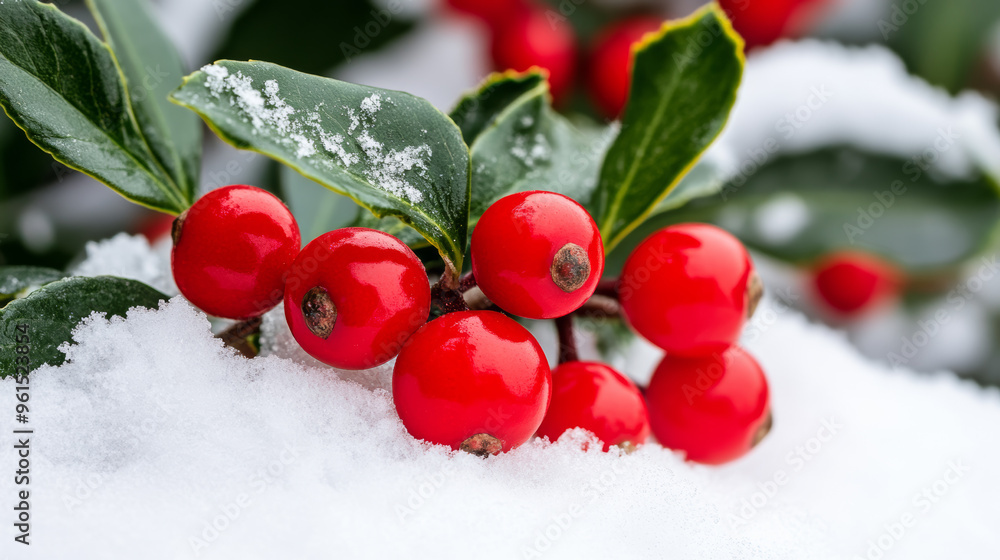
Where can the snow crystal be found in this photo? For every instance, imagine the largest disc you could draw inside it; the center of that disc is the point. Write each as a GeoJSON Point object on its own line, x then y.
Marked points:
{"type": "Point", "coordinates": [531, 152]}
{"type": "Point", "coordinates": [154, 428]}
{"type": "Point", "coordinates": [387, 169]}
{"type": "Point", "coordinates": [371, 104]}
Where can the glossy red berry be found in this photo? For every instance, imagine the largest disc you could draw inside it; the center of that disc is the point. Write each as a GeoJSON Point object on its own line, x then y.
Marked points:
{"type": "Point", "coordinates": [689, 288]}
{"type": "Point", "coordinates": [762, 22]}
{"type": "Point", "coordinates": [852, 282]}
{"type": "Point", "coordinates": [232, 249]}
{"type": "Point", "coordinates": [531, 38]}
{"type": "Point", "coordinates": [354, 296]}
{"type": "Point", "coordinates": [611, 63]}
{"type": "Point", "coordinates": [714, 409]}
{"type": "Point", "coordinates": [493, 12]}
{"type": "Point", "coordinates": [597, 398]}
{"type": "Point", "coordinates": [472, 380]}
{"type": "Point", "coordinates": [537, 254]}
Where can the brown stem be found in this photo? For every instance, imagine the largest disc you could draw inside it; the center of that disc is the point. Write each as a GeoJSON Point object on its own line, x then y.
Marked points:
{"type": "Point", "coordinates": [607, 288]}
{"type": "Point", "coordinates": [567, 340]}
{"type": "Point", "coordinates": [466, 282]}
{"type": "Point", "coordinates": [600, 307]}
{"type": "Point", "coordinates": [237, 336]}
{"type": "Point", "coordinates": [446, 296]}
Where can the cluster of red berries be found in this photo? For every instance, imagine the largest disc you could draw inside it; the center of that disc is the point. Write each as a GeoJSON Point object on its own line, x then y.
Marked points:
{"type": "Point", "coordinates": [526, 34]}
{"type": "Point", "coordinates": [476, 379]}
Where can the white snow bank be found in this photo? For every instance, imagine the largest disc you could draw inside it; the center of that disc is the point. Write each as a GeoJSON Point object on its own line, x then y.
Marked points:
{"type": "Point", "coordinates": [129, 256]}
{"type": "Point", "coordinates": [154, 441]}
{"type": "Point", "coordinates": [801, 96]}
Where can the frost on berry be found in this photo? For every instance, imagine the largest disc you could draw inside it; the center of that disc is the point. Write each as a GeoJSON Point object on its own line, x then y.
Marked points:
{"type": "Point", "coordinates": [319, 311]}
{"type": "Point", "coordinates": [570, 267]}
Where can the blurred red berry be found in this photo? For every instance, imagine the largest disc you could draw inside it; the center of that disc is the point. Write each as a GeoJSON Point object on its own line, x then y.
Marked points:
{"type": "Point", "coordinates": [532, 38]}
{"type": "Point", "coordinates": [852, 282]}
{"type": "Point", "coordinates": [611, 62]}
{"type": "Point", "coordinates": [493, 12]}
{"type": "Point", "coordinates": [762, 22]}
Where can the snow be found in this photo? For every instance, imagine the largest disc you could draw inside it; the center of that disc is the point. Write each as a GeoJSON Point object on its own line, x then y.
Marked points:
{"type": "Point", "coordinates": [801, 96]}
{"type": "Point", "coordinates": [153, 432]}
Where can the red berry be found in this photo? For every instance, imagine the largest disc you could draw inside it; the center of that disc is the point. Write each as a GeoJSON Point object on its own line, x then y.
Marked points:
{"type": "Point", "coordinates": [689, 288]}
{"type": "Point", "coordinates": [714, 409]}
{"type": "Point", "coordinates": [492, 12]}
{"type": "Point", "coordinates": [611, 63]}
{"type": "Point", "coordinates": [537, 254]}
{"type": "Point", "coordinates": [597, 398]}
{"type": "Point", "coordinates": [354, 296]}
{"type": "Point", "coordinates": [530, 38]}
{"type": "Point", "coordinates": [232, 249]}
{"type": "Point", "coordinates": [762, 22]}
{"type": "Point", "coordinates": [472, 380]}
{"type": "Point", "coordinates": [852, 282]}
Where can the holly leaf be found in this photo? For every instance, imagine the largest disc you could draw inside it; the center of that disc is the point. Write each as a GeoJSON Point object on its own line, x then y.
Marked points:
{"type": "Point", "coordinates": [802, 207]}
{"type": "Point", "coordinates": [391, 152]}
{"type": "Point", "coordinates": [519, 143]}
{"type": "Point", "coordinates": [17, 281]}
{"type": "Point", "coordinates": [682, 92]}
{"type": "Point", "coordinates": [152, 69]}
{"type": "Point", "coordinates": [63, 88]}
{"type": "Point", "coordinates": [45, 319]}
{"type": "Point", "coordinates": [316, 209]}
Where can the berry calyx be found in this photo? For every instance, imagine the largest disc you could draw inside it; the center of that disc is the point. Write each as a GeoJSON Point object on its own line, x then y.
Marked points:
{"type": "Point", "coordinates": [354, 295]}
{"type": "Point", "coordinates": [611, 63]}
{"type": "Point", "coordinates": [537, 254]}
{"type": "Point", "coordinates": [853, 282]}
{"type": "Point", "coordinates": [232, 249]}
{"type": "Point", "coordinates": [531, 38]}
{"type": "Point", "coordinates": [689, 288]}
{"type": "Point", "coordinates": [595, 397]}
{"type": "Point", "coordinates": [472, 380]}
{"type": "Point", "coordinates": [714, 409]}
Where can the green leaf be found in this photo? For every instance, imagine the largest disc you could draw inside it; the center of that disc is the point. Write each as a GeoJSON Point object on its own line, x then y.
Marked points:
{"type": "Point", "coordinates": [519, 143]}
{"type": "Point", "coordinates": [61, 85]}
{"type": "Point", "coordinates": [48, 315]}
{"type": "Point", "coordinates": [16, 281]}
{"type": "Point", "coordinates": [316, 209]}
{"type": "Point", "coordinates": [801, 207]}
{"type": "Point", "coordinates": [152, 69]}
{"type": "Point", "coordinates": [682, 92]}
{"type": "Point", "coordinates": [391, 152]}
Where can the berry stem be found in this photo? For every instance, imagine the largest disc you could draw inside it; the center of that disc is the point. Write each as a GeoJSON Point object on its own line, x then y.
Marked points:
{"type": "Point", "coordinates": [608, 288]}
{"type": "Point", "coordinates": [238, 335]}
{"type": "Point", "coordinates": [600, 307]}
{"type": "Point", "coordinates": [567, 340]}
{"type": "Point", "coordinates": [466, 282]}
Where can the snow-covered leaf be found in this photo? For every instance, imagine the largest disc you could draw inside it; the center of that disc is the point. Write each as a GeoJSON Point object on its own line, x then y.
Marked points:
{"type": "Point", "coordinates": [61, 85]}
{"type": "Point", "coordinates": [684, 85]}
{"type": "Point", "coordinates": [152, 69]}
{"type": "Point", "coordinates": [45, 319]}
{"type": "Point", "coordinates": [16, 280]}
{"type": "Point", "coordinates": [391, 152]}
